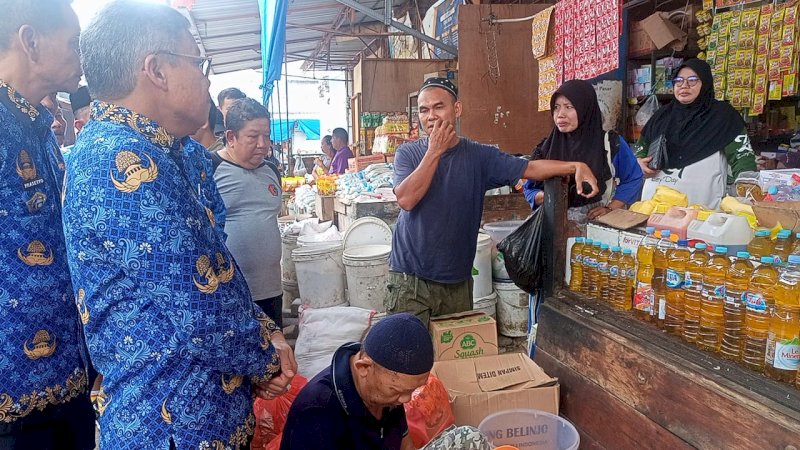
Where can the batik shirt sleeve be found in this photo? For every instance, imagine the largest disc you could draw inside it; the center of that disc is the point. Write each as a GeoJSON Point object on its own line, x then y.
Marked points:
{"type": "Point", "coordinates": [172, 326]}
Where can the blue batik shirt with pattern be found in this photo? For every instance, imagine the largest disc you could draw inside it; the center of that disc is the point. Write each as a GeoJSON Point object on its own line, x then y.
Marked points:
{"type": "Point", "coordinates": [169, 319]}
{"type": "Point", "coordinates": [42, 355]}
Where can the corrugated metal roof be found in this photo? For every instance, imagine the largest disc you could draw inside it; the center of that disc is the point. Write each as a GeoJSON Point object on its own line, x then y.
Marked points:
{"type": "Point", "coordinates": [230, 32]}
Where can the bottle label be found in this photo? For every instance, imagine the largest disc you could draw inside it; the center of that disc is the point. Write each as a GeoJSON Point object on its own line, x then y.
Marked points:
{"type": "Point", "coordinates": [692, 282]}
{"type": "Point", "coordinates": [733, 298]}
{"type": "Point", "coordinates": [614, 271]}
{"type": "Point", "coordinates": [755, 302]}
{"type": "Point", "coordinates": [674, 279]}
{"type": "Point", "coordinates": [590, 262]}
{"type": "Point", "coordinates": [643, 298]}
{"type": "Point", "coordinates": [714, 292]}
{"type": "Point", "coordinates": [786, 353]}
{"type": "Point", "coordinates": [630, 274]}
{"type": "Point", "coordinates": [578, 258]}
{"type": "Point", "coordinates": [662, 308]}
{"type": "Point", "coordinates": [602, 267]}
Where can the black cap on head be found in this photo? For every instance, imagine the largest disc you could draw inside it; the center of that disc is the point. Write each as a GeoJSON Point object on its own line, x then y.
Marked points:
{"type": "Point", "coordinates": [402, 344]}
{"type": "Point", "coordinates": [80, 99]}
{"type": "Point", "coordinates": [442, 83]}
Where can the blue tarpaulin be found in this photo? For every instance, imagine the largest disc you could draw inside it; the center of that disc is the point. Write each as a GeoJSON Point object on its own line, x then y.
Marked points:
{"type": "Point", "coordinates": [281, 131]}
{"type": "Point", "coordinates": [273, 42]}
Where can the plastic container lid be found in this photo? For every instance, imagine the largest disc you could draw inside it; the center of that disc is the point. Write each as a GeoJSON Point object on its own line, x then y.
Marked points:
{"type": "Point", "coordinates": [784, 234]}
{"type": "Point", "coordinates": [590, 242]}
{"type": "Point", "coordinates": [767, 260]}
{"type": "Point", "coordinates": [627, 251]}
{"type": "Point", "coordinates": [700, 246]}
{"type": "Point", "coordinates": [683, 243]}
{"type": "Point", "coordinates": [604, 246]}
{"type": "Point", "coordinates": [616, 248]}
{"type": "Point", "coordinates": [743, 255]}
{"type": "Point", "coordinates": [772, 190]}
{"type": "Point", "coordinates": [794, 259]}
{"type": "Point", "coordinates": [598, 243]}
{"type": "Point", "coordinates": [650, 230]}
{"type": "Point", "coordinates": [367, 252]}
{"type": "Point", "coordinates": [762, 232]}
{"type": "Point", "coordinates": [579, 240]}
{"type": "Point", "coordinates": [367, 231]}
{"type": "Point", "coordinates": [721, 249]}
{"type": "Point", "coordinates": [665, 233]}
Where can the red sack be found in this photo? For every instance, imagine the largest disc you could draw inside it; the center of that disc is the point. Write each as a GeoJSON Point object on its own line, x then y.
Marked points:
{"type": "Point", "coordinates": [274, 444]}
{"type": "Point", "coordinates": [271, 415]}
{"type": "Point", "coordinates": [429, 412]}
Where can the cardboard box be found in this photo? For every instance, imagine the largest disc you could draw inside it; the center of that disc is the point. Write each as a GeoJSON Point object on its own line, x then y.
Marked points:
{"type": "Point", "coordinates": [462, 336]}
{"type": "Point", "coordinates": [630, 240]}
{"type": "Point", "coordinates": [362, 162]}
{"type": "Point", "coordinates": [604, 234]}
{"type": "Point", "coordinates": [639, 42]}
{"type": "Point", "coordinates": [482, 386]}
{"type": "Point", "coordinates": [787, 214]}
{"type": "Point", "coordinates": [663, 32]}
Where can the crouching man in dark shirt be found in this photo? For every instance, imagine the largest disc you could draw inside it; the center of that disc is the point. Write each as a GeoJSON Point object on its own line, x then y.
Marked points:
{"type": "Point", "coordinates": [357, 402]}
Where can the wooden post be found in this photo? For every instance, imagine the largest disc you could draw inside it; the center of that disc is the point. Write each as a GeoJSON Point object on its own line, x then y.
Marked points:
{"type": "Point", "coordinates": [555, 233]}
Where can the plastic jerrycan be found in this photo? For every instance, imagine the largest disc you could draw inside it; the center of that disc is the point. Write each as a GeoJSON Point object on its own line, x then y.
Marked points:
{"type": "Point", "coordinates": [677, 220]}
{"type": "Point", "coordinates": [731, 231]}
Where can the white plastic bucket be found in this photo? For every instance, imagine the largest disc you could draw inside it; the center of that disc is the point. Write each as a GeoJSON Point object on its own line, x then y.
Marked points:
{"type": "Point", "coordinates": [486, 305]}
{"type": "Point", "coordinates": [320, 276]}
{"type": "Point", "coordinates": [530, 429]}
{"type": "Point", "coordinates": [288, 244]}
{"type": "Point", "coordinates": [367, 270]}
{"type": "Point", "coordinates": [512, 310]}
{"type": "Point", "coordinates": [314, 240]}
{"type": "Point", "coordinates": [499, 231]}
{"type": "Point", "coordinates": [290, 292]}
{"type": "Point", "coordinates": [482, 267]}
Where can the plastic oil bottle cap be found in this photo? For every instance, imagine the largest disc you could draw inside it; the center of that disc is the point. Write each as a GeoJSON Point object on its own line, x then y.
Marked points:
{"type": "Point", "coordinates": [772, 190]}
{"type": "Point", "coordinates": [651, 230]}
{"type": "Point", "coordinates": [627, 251]}
{"type": "Point", "coordinates": [616, 248]}
{"type": "Point", "coordinates": [721, 249]}
{"type": "Point", "coordinates": [588, 241]}
{"type": "Point", "coordinates": [700, 246]}
{"type": "Point", "coordinates": [794, 259]}
{"type": "Point", "coordinates": [598, 244]}
{"type": "Point", "coordinates": [743, 255]}
{"type": "Point", "coordinates": [579, 240]}
{"type": "Point", "coordinates": [784, 234]}
{"type": "Point", "coordinates": [665, 233]}
{"type": "Point", "coordinates": [767, 260]}
{"type": "Point", "coordinates": [762, 233]}
{"type": "Point", "coordinates": [683, 243]}
{"type": "Point", "coordinates": [604, 246]}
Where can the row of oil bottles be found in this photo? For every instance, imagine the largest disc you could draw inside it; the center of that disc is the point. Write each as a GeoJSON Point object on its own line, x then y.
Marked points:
{"type": "Point", "coordinates": [745, 308]}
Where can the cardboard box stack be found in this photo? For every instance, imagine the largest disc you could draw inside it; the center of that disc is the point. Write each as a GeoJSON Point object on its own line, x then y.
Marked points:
{"type": "Point", "coordinates": [464, 336]}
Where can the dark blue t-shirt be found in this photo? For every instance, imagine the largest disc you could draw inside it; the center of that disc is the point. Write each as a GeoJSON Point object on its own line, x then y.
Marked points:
{"type": "Point", "coordinates": [329, 414]}
{"type": "Point", "coordinates": [437, 239]}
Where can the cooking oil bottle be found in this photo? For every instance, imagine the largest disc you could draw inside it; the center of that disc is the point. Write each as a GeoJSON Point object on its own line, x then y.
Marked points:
{"type": "Point", "coordinates": [576, 268]}
{"type": "Point", "coordinates": [612, 280]}
{"type": "Point", "coordinates": [796, 245]}
{"type": "Point", "coordinates": [659, 278]}
{"type": "Point", "coordinates": [602, 273]}
{"type": "Point", "coordinates": [761, 245]}
{"type": "Point", "coordinates": [737, 280]}
{"type": "Point", "coordinates": [588, 245]}
{"type": "Point", "coordinates": [782, 248]}
{"type": "Point", "coordinates": [783, 341]}
{"type": "Point", "coordinates": [594, 256]}
{"type": "Point", "coordinates": [709, 334]}
{"type": "Point", "coordinates": [693, 291]}
{"type": "Point", "coordinates": [676, 271]}
{"type": "Point", "coordinates": [623, 296]}
{"type": "Point", "coordinates": [643, 298]}
{"type": "Point", "coordinates": [759, 301]}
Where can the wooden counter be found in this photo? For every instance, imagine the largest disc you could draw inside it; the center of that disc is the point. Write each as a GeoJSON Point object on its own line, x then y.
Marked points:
{"type": "Point", "coordinates": [625, 384]}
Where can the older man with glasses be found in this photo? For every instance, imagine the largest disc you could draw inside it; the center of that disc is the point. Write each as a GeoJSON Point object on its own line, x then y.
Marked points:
{"type": "Point", "coordinates": [168, 316]}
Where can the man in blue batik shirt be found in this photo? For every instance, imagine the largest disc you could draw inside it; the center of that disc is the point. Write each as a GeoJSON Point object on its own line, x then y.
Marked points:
{"type": "Point", "coordinates": [169, 321]}
{"type": "Point", "coordinates": [44, 395]}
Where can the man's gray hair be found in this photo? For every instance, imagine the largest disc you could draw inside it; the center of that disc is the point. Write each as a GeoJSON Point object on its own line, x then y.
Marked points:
{"type": "Point", "coordinates": [44, 15]}
{"type": "Point", "coordinates": [120, 37]}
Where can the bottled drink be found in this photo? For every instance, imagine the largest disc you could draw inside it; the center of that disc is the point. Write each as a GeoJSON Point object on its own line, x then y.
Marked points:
{"type": "Point", "coordinates": [576, 265]}
{"type": "Point", "coordinates": [676, 271]}
{"type": "Point", "coordinates": [761, 245]}
{"type": "Point", "coordinates": [737, 280]}
{"type": "Point", "coordinates": [623, 295]}
{"type": "Point", "coordinates": [759, 301]}
{"type": "Point", "coordinates": [693, 295]}
{"type": "Point", "coordinates": [588, 245]}
{"type": "Point", "coordinates": [783, 341]}
{"type": "Point", "coordinates": [796, 245]}
{"type": "Point", "coordinates": [612, 281]}
{"type": "Point", "coordinates": [709, 334]}
{"type": "Point", "coordinates": [659, 278]}
{"type": "Point", "coordinates": [782, 248]}
{"type": "Point", "coordinates": [594, 275]}
{"type": "Point", "coordinates": [644, 298]}
{"type": "Point", "coordinates": [602, 273]}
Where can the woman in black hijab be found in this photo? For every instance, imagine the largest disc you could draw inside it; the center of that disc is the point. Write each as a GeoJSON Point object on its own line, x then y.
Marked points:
{"type": "Point", "coordinates": [707, 145]}
{"type": "Point", "coordinates": [578, 135]}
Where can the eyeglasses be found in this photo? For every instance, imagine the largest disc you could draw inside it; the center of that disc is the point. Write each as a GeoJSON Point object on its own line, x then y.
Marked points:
{"type": "Point", "coordinates": [691, 81]}
{"type": "Point", "coordinates": [203, 62]}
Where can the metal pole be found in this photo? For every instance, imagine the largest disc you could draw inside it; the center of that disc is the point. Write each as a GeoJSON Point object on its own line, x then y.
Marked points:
{"type": "Point", "coordinates": [369, 12]}
{"type": "Point", "coordinates": [289, 133]}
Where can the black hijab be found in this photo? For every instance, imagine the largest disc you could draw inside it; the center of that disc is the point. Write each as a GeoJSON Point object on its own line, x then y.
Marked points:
{"type": "Point", "coordinates": [585, 144]}
{"type": "Point", "coordinates": [697, 130]}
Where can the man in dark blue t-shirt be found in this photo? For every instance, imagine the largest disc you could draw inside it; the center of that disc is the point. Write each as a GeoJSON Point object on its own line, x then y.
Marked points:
{"type": "Point", "coordinates": [440, 183]}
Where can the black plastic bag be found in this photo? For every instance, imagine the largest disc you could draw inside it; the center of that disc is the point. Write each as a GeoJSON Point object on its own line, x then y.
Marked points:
{"type": "Point", "coordinates": [523, 255]}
